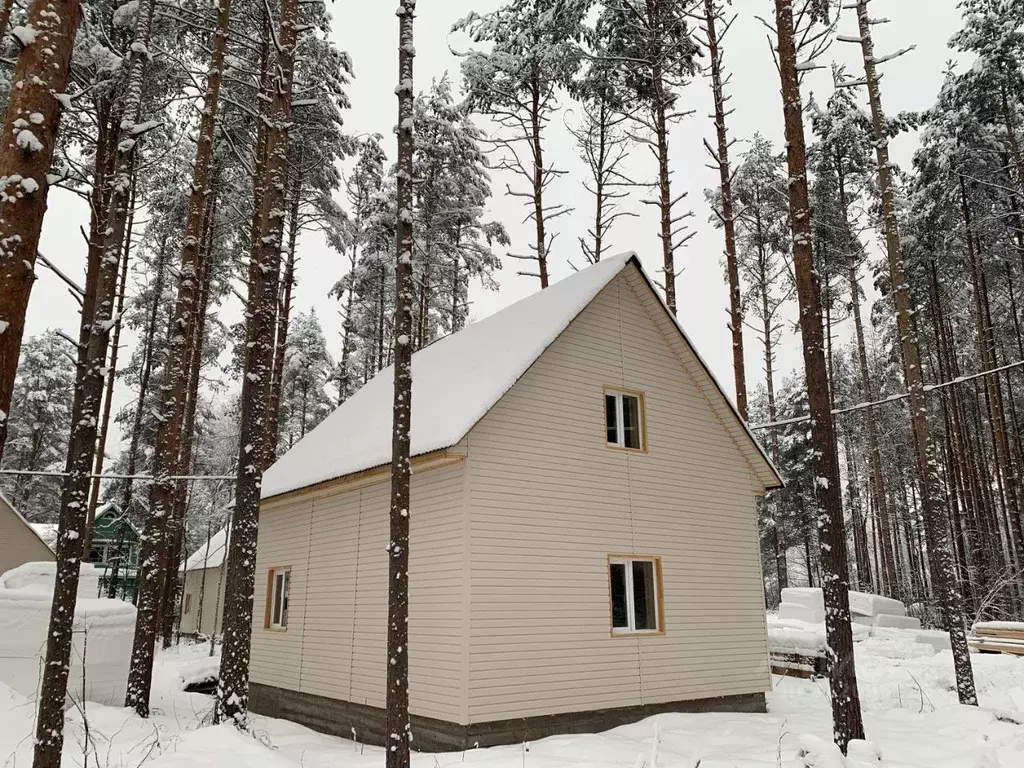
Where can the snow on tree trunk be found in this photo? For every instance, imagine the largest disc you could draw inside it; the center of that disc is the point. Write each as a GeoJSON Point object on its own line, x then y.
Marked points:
{"type": "Point", "coordinates": [154, 560]}
{"type": "Point", "coordinates": [108, 395]}
{"type": "Point", "coordinates": [283, 319]}
{"type": "Point", "coordinates": [26, 153]}
{"type": "Point", "coordinates": [264, 277]}
{"type": "Point", "coordinates": [721, 159]}
{"type": "Point", "coordinates": [398, 729]}
{"type": "Point", "coordinates": [846, 712]}
{"type": "Point", "coordinates": [85, 416]}
{"type": "Point", "coordinates": [936, 518]}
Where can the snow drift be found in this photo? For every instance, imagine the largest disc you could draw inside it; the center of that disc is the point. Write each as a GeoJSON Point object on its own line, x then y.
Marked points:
{"type": "Point", "coordinates": [102, 635]}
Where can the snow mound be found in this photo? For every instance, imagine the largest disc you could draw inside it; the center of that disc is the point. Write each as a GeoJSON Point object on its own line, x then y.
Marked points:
{"type": "Point", "coordinates": [199, 672]}
{"type": "Point", "coordinates": [101, 636]}
{"type": "Point", "coordinates": [219, 746]}
{"type": "Point", "coordinates": [38, 578]}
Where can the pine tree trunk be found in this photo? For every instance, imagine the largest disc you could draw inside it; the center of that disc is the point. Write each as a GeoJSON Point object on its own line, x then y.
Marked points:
{"type": "Point", "coordinates": [26, 155]}
{"type": "Point", "coordinates": [175, 541]}
{"type": "Point", "coordinates": [728, 213]}
{"type": "Point", "coordinates": [85, 417]}
{"type": "Point", "coordinates": [398, 728]}
{"type": "Point", "coordinates": [5, 17]}
{"type": "Point", "coordinates": [167, 444]}
{"type": "Point", "coordinates": [264, 276]}
{"type": "Point", "coordinates": [664, 192]}
{"type": "Point", "coordinates": [846, 713]}
{"type": "Point", "coordinates": [538, 180]}
{"type": "Point", "coordinates": [283, 322]}
{"type": "Point", "coordinates": [108, 395]}
{"type": "Point", "coordinates": [935, 513]}
{"type": "Point", "coordinates": [1005, 481]}
{"type": "Point", "coordinates": [876, 476]}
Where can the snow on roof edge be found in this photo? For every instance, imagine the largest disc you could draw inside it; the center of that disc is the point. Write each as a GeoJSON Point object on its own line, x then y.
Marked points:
{"type": "Point", "coordinates": [601, 275]}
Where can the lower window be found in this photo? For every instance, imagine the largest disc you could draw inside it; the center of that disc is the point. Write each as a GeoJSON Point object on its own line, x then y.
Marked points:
{"type": "Point", "coordinates": [636, 595]}
{"type": "Point", "coordinates": [278, 581]}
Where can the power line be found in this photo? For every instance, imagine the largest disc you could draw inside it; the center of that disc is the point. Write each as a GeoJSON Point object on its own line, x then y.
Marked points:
{"type": "Point", "coordinates": [892, 398]}
{"type": "Point", "coordinates": [34, 473]}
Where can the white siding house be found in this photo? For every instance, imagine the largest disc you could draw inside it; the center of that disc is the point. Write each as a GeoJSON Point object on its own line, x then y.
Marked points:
{"type": "Point", "coordinates": [584, 546]}
{"type": "Point", "coordinates": [20, 542]}
{"type": "Point", "coordinates": [202, 600]}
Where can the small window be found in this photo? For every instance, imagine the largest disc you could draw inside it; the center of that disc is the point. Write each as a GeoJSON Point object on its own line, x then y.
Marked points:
{"type": "Point", "coordinates": [636, 597]}
{"type": "Point", "coordinates": [624, 420]}
{"type": "Point", "coordinates": [277, 598]}
{"type": "Point", "coordinates": [188, 604]}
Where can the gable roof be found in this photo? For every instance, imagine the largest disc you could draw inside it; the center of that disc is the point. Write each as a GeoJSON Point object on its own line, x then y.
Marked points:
{"type": "Point", "coordinates": [201, 559]}
{"type": "Point", "coordinates": [456, 381]}
{"type": "Point", "coordinates": [32, 528]}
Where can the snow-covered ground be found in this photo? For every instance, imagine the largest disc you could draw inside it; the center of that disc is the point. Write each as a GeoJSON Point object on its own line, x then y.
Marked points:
{"type": "Point", "coordinates": [906, 688]}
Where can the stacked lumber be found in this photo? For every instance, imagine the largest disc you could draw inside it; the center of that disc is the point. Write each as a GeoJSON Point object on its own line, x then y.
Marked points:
{"type": "Point", "coordinates": [998, 637]}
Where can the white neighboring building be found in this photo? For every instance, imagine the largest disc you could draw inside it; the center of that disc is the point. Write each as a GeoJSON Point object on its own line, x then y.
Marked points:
{"type": "Point", "coordinates": [203, 599]}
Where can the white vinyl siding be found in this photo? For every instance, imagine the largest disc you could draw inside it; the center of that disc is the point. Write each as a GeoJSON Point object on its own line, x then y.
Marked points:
{"type": "Point", "coordinates": [213, 601]}
{"type": "Point", "coordinates": [338, 593]}
{"type": "Point", "coordinates": [550, 502]}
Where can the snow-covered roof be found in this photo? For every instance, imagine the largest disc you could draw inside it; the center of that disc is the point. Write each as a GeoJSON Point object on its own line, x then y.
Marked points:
{"type": "Point", "coordinates": [47, 532]}
{"type": "Point", "coordinates": [456, 380]}
{"type": "Point", "coordinates": [214, 558]}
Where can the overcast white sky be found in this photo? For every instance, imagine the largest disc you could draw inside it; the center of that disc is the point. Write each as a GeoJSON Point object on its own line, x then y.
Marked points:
{"type": "Point", "coordinates": [369, 32]}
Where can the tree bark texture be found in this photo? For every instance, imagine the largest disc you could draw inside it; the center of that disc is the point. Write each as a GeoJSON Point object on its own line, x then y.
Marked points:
{"type": "Point", "coordinates": [283, 322]}
{"type": "Point", "coordinates": [85, 416]}
{"type": "Point", "coordinates": [399, 728]}
{"type": "Point", "coordinates": [169, 436]}
{"type": "Point", "coordinates": [26, 153]}
{"type": "Point", "coordinates": [846, 712]}
{"type": "Point", "coordinates": [935, 513]}
{"type": "Point", "coordinates": [264, 277]}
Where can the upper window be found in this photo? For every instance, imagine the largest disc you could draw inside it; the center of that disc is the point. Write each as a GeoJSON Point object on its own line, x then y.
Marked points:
{"type": "Point", "coordinates": [188, 603]}
{"type": "Point", "coordinates": [636, 595]}
{"type": "Point", "coordinates": [624, 420]}
{"type": "Point", "coordinates": [277, 598]}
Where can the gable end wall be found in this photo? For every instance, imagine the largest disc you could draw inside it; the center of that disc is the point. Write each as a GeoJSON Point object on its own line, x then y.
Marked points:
{"type": "Point", "coordinates": [550, 501]}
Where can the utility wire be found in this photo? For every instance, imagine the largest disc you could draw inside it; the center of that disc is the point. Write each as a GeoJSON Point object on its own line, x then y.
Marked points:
{"type": "Point", "coordinates": [892, 398]}
{"type": "Point", "coordinates": [33, 473]}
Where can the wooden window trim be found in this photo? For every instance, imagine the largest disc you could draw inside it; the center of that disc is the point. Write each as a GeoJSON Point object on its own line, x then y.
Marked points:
{"type": "Point", "coordinates": [659, 596]}
{"type": "Point", "coordinates": [269, 603]}
{"type": "Point", "coordinates": [609, 389]}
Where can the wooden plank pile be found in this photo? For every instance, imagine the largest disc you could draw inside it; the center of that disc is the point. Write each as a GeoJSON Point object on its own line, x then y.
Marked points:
{"type": "Point", "coordinates": [998, 637]}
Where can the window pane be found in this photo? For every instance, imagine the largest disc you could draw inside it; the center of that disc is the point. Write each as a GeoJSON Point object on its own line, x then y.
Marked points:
{"type": "Point", "coordinates": [275, 611]}
{"type": "Point", "coordinates": [620, 609]}
{"type": "Point", "coordinates": [611, 420]}
{"type": "Point", "coordinates": [631, 421]}
{"type": "Point", "coordinates": [284, 600]}
{"type": "Point", "coordinates": [644, 600]}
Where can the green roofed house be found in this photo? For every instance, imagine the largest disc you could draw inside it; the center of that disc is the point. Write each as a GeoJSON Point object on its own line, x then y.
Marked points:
{"type": "Point", "coordinates": [111, 531]}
